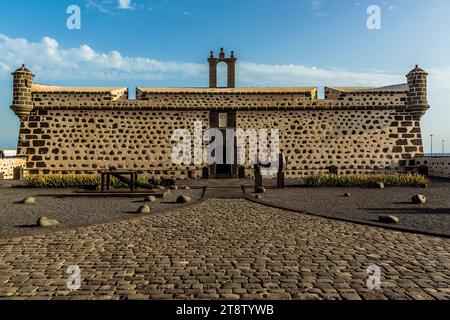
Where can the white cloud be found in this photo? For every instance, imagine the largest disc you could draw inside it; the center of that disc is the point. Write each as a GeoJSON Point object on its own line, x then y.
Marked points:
{"type": "Point", "coordinates": [111, 6]}
{"type": "Point", "coordinates": [317, 7]}
{"type": "Point", "coordinates": [102, 6]}
{"type": "Point", "coordinates": [292, 75]}
{"type": "Point", "coordinates": [47, 59]}
{"type": "Point", "coordinates": [51, 62]}
{"type": "Point", "coordinates": [439, 78]}
{"type": "Point", "coordinates": [316, 4]}
{"type": "Point", "coordinates": [125, 4]}
{"type": "Point", "coordinates": [4, 68]}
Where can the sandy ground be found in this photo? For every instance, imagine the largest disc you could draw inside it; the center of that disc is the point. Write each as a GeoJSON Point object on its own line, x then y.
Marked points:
{"type": "Point", "coordinates": [368, 204]}
{"type": "Point", "coordinates": [20, 219]}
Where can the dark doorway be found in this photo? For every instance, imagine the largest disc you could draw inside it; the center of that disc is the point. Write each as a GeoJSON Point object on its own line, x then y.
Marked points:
{"type": "Point", "coordinates": [222, 121]}
{"type": "Point", "coordinates": [223, 170]}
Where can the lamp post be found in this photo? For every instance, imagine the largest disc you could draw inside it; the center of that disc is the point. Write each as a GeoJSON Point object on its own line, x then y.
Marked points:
{"type": "Point", "coordinates": [431, 145]}
{"type": "Point", "coordinates": [443, 147]}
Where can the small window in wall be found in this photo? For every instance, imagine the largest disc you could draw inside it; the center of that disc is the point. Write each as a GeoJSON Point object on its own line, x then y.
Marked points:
{"type": "Point", "coordinates": [223, 120]}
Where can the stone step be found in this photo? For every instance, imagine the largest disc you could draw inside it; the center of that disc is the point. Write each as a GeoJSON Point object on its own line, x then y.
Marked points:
{"type": "Point", "coordinates": [224, 193]}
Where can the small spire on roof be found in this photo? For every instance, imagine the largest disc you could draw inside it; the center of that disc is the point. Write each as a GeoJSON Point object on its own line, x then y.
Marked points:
{"type": "Point", "coordinates": [222, 53]}
{"type": "Point", "coordinates": [22, 69]}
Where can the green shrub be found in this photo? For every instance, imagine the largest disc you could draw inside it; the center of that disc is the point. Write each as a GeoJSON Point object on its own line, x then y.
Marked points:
{"type": "Point", "coordinates": [389, 179]}
{"type": "Point", "coordinates": [74, 181]}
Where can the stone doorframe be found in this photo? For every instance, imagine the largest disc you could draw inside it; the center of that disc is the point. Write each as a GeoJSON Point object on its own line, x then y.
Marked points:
{"type": "Point", "coordinates": [231, 124]}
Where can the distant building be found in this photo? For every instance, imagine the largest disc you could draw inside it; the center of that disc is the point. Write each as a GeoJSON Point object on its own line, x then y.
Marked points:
{"type": "Point", "coordinates": [86, 130]}
{"type": "Point", "coordinates": [8, 153]}
{"type": "Point", "coordinates": [8, 162]}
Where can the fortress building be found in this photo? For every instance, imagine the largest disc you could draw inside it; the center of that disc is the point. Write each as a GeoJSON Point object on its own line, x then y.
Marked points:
{"type": "Point", "coordinates": [87, 130]}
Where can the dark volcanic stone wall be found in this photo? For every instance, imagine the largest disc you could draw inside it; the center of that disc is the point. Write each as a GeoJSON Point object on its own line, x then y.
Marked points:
{"type": "Point", "coordinates": [358, 132]}
{"type": "Point", "coordinates": [356, 141]}
{"type": "Point", "coordinates": [83, 141]}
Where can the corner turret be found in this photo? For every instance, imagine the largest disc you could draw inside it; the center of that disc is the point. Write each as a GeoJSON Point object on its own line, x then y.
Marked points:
{"type": "Point", "coordinates": [22, 98]}
{"type": "Point", "coordinates": [417, 95]}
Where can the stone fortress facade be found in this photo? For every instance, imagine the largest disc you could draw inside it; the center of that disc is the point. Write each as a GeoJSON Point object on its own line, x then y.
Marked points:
{"type": "Point", "coordinates": [86, 130]}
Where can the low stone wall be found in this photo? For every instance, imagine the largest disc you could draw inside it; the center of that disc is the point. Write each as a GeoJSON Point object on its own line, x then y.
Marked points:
{"type": "Point", "coordinates": [369, 96]}
{"type": "Point", "coordinates": [437, 166]}
{"type": "Point", "coordinates": [7, 166]}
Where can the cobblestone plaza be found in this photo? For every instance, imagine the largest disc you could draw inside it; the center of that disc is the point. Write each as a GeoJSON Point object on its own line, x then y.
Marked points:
{"type": "Point", "coordinates": [225, 249]}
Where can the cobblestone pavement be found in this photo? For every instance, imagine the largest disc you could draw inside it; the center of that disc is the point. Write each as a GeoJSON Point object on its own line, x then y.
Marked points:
{"type": "Point", "coordinates": [226, 249]}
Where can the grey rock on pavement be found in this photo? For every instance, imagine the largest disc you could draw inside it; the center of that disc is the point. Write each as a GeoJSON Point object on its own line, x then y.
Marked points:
{"type": "Point", "coordinates": [150, 199]}
{"type": "Point", "coordinates": [183, 199]}
{"type": "Point", "coordinates": [260, 190]}
{"type": "Point", "coordinates": [46, 222]}
{"type": "Point", "coordinates": [29, 200]}
{"type": "Point", "coordinates": [145, 209]}
{"type": "Point", "coordinates": [419, 199]}
{"type": "Point", "coordinates": [377, 185]}
{"type": "Point", "coordinates": [389, 219]}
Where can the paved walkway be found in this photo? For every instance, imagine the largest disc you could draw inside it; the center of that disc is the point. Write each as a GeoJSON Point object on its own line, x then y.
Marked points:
{"type": "Point", "coordinates": [224, 189]}
{"type": "Point", "coordinates": [226, 249]}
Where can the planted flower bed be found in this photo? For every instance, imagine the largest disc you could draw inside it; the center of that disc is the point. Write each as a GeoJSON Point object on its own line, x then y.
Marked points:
{"type": "Point", "coordinates": [88, 181]}
{"type": "Point", "coordinates": [360, 180]}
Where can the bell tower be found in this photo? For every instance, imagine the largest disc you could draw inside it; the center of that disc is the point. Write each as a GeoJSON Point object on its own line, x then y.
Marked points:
{"type": "Point", "coordinates": [231, 67]}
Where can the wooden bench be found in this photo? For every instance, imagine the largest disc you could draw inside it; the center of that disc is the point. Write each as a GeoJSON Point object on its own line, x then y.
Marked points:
{"type": "Point", "coordinates": [106, 178]}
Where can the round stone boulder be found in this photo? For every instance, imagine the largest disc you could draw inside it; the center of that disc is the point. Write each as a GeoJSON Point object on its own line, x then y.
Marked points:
{"type": "Point", "coordinates": [150, 199]}
{"type": "Point", "coordinates": [419, 199]}
{"type": "Point", "coordinates": [145, 209]}
{"type": "Point", "coordinates": [46, 222]}
{"type": "Point", "coordinates": [389, 219]}
{"type": "Point", "coordinates": [183, 199]}
{"type": "Point", "coordinates": [260, 190]}
{"type": "Point", "coordinates": [258, 196]}
{"type": "Point", "coordinates": [187, 188]}
{"type": "Point", "coordinates": [377, 185]}
{"type": "Point", "coordinates": [347, 194]}
{"type": "Point", "coordinates": [29, 200]}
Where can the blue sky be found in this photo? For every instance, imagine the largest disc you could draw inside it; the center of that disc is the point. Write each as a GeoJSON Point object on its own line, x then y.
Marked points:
{"type": "Point", "coordinates": [278, 43]}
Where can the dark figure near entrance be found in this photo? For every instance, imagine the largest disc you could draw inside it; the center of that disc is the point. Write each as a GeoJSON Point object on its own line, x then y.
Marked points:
{"type": "Point", "coordinates": [282, 163]}
{"type": "Point", "coordinates": [258, 176]}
